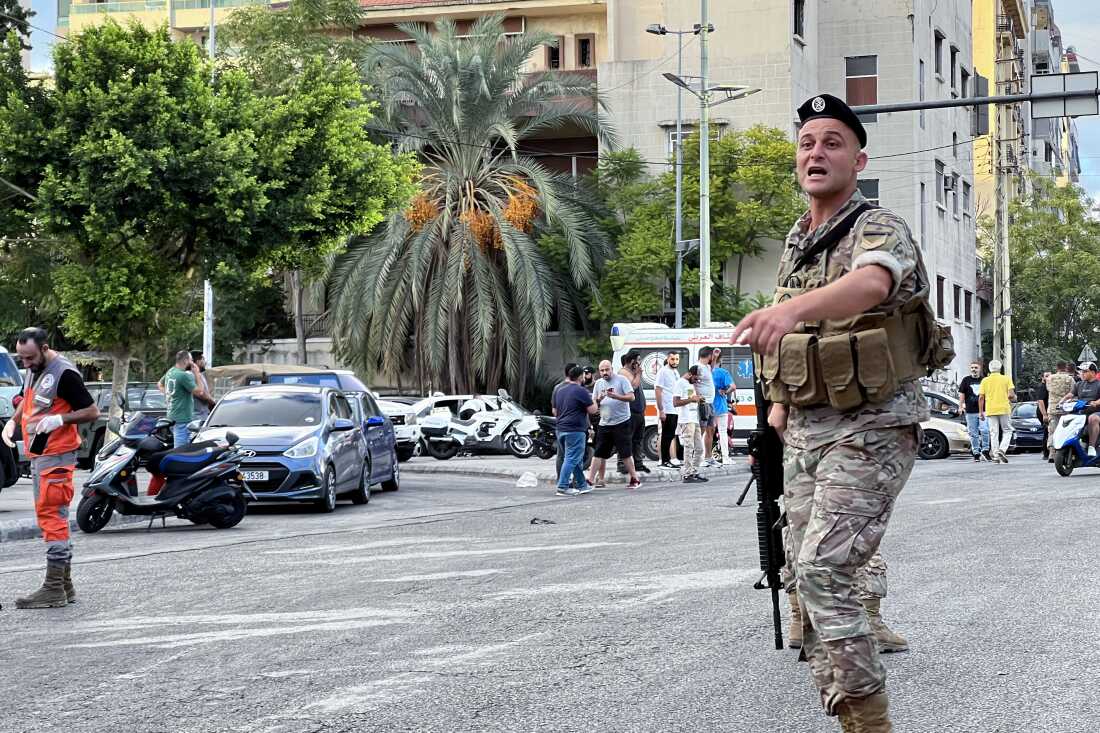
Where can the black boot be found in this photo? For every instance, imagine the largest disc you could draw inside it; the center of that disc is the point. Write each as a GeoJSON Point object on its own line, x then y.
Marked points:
{"type": "Point", "coordinates": [70, 592]}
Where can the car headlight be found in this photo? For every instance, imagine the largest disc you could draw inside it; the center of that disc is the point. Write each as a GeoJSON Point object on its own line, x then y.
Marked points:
{"type": "Point", "coordinates": [306, 449]}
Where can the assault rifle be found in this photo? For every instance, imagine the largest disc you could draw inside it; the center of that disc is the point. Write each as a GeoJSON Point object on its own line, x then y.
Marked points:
{"type": "Point", "coordinates": [766, 450]}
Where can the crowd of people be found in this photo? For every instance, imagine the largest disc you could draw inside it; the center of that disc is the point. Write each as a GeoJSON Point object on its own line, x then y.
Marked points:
{"type": "Point", "coordinates": [987, 403]}
{"type": "Point", "coordinates": [692, 411]}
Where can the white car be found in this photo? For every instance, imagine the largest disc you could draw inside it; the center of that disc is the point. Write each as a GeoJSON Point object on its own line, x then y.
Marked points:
{"type": "Point", "coordinates": [942, 438]}
{"type": "Point", "coordinates": [405, 429]}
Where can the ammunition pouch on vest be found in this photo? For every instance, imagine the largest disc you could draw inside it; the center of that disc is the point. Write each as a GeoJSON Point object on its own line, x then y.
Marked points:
{"type": "Point", "coordinates": [862, 359]}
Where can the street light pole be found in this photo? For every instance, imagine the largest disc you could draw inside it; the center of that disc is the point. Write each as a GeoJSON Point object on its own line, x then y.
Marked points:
{"type": "Point", "coordinates": [704, 171]}
{"type": "Point", "coordinates": [207, 288]}
{"type": "Point", "coordinates": [679, 182]}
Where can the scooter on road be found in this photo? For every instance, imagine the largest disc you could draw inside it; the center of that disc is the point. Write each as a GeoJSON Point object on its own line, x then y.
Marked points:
{"type": "Point", "coordinates": [199, 482]}
{"type": "Point", "coordinates": [1071, 439]}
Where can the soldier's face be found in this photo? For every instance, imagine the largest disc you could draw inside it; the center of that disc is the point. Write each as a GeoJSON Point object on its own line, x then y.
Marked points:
{"type": "Point", "coordinates": [828, 158]}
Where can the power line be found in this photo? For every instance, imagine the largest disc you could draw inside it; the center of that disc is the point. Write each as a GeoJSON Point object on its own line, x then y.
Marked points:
{"type": "Point", "coordinates": [656, 66]}
{"type": "Point", "coordinates": [37, 28]}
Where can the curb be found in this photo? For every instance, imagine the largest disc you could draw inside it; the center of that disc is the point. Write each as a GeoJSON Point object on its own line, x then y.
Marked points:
{"type": "Point", "coordinates": [656, 475]}
{"type": "Point", "coordinates": [27, 529]}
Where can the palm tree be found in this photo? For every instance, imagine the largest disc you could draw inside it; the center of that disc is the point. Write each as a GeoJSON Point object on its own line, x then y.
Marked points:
{"type": "Point", "coordinates": [457, 282]}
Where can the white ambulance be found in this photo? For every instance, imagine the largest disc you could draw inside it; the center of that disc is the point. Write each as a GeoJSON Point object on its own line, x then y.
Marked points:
{"type": "Point", "coordinates": [655, 341]}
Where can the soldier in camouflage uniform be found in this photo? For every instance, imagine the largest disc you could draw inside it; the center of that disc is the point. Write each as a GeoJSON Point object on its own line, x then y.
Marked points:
{"type": "Point", "coordinates": [843, 469]}
{"type": "Point", "coordinates": [871, 587]}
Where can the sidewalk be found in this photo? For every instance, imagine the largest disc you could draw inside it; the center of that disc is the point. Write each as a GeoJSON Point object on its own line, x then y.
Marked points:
{"type": "Point", "coordinates": [509, 467]}
{"type": "Point", "coordinates": [17, 520]}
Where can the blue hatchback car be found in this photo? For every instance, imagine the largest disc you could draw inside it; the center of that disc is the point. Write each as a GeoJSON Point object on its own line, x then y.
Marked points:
{"type": "Point", "coordinates": [311, 444]}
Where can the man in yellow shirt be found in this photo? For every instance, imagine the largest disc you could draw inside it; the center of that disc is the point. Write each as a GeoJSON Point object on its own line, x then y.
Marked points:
{"type": "Point", "coordinates": [995, 397]}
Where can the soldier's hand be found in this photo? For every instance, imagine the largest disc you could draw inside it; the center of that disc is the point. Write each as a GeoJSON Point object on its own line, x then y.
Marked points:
{"type": "Point", "coordinates": [763, 329]}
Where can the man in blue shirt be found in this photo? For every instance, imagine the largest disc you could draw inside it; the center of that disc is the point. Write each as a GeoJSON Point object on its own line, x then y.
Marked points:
{"type": "Point", "coordinates": [723, 383]}
{"type": "Point", "coordinates": [573, 404]}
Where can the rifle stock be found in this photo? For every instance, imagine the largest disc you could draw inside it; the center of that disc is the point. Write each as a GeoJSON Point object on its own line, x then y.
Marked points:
{"type": "Point", "coordinates": [766, 450]}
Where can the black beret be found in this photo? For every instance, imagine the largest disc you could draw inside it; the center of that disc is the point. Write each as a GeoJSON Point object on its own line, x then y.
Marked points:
{"type": "Point", "coordinates": [826, 105]}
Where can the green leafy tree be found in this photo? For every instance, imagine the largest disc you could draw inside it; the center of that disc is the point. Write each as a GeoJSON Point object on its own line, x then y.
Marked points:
{"type": "Point", "coordinates": [754, 196]}
{"type": "Point", "coordinates": [331, 180]}
{"type": "Point", "coordinates": [14, 18]}
{"type": "Point", "coordinates": [126, 147]}
{"type": "Point", "coordinates": [458, 276]}
{"type": "Point", "coordinates": [1054, 252]}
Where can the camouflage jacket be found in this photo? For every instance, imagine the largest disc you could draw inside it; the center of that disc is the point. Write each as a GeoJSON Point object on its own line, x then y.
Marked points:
{"type": "Point", "coordinates": [1059, 386]}
{"type": "Point", "coordinates": [879, 237]}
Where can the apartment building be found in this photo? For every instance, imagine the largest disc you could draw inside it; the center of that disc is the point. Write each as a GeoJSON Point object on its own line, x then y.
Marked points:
{"type": "Point", "coordinates": [922, 164]}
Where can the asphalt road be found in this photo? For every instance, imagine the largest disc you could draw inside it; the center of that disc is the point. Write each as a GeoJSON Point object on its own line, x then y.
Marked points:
{"type": "Point", "coordinates": [463, 605]}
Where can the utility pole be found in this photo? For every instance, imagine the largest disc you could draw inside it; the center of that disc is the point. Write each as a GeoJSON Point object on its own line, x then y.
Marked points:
{"type": "Point", "coordinates": [704, 170]}
{"type": "Point", "coordinates": [207, 288]}
{"type": "Point", "coordinates": [679, 181]}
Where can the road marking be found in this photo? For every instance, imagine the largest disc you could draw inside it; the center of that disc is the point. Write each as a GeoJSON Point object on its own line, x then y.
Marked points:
{"type": "Point", "coordinates": [943, 501]}
{"type": "Point", "coordinates": [321, 549]}
{"type": "Point", "coordinates": [464, 553]}
{"type": "Point", "coordinates": [438, 576]}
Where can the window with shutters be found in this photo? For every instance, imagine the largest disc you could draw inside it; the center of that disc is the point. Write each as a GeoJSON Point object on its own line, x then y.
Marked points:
{"type": "Point", "coordinates": [939, 297]}
{"type": "Point", "coordinates": [586, 52]}
{"type": "Point", "coordinates": [940, 194]}
{"type": "Point", "coordinates": [967, 298]}
{"type": "Point", "coordinates": [861, 83]}
{"type": "Point", "coordinates": [800, 18]}
{"type": "Point", "coordinates": [938, 51]}
{"type": "Point", "coordinates": [553, 54]}
{"type": "Point", "coordinates": [958, 302]}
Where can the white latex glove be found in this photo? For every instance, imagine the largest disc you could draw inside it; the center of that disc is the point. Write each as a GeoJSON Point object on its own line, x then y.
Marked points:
{"type": "Point", "coordinates": [9, 433]}
{"type": "Point", "coordinates": [48, 424]}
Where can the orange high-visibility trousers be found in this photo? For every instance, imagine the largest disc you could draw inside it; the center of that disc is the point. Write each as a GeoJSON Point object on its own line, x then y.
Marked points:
{"type": "Point", "coordinates": [53, 492]}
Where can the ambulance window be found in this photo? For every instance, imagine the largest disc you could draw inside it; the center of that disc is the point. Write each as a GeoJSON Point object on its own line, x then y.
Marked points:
{"type": "Point", "coordinates": [653, 360]}
{"type": "Point", "coordinates": [738, 361]}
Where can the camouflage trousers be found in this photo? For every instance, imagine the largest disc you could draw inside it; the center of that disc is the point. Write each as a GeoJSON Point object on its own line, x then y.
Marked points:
{"type": "Point", "coordinates": [870, 578]}
{"type": "Point", "coordinates": [838, 499]}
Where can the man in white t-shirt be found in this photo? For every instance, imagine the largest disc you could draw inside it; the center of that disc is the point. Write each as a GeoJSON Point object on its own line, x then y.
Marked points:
{"type": "Point", "coordinates": [664, 388]}
{"type": "Point", "coordinates": [687, 399]}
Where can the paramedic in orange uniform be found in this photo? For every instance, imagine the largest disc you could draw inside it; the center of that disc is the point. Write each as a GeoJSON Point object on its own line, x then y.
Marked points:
{"type": "Point", "coordinates": [55, 401]}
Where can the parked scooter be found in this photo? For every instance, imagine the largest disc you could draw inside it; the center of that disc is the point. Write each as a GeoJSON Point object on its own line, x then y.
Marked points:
{"type": "Point", "coordinates": [200, 482]}
{"type": "Point", "coordinates": [1071, 439]}
{"type": "Point", "coordinates": [546, 437]}
{"type": "Point", "coordinates": [507, 430]}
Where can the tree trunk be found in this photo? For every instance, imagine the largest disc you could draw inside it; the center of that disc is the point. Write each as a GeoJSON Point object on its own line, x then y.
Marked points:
{"type": "Point", "coordinates": [298, 294]}
{"type": "Point", "coordinates": [119, 378]}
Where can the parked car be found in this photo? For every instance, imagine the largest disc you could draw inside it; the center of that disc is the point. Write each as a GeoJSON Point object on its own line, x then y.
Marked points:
{"type": "Point", "coordinates": [308, 445]}
{"type": "Point", "coordinates": [944, 406]}
{"type": "Point", "coordinates": [224, 379]}
{"type": "Point", "coordinates": [942, 438]}
{"type": "Point", "coordinates": [380, 444]}
{"type": "Point", "coordinates": [11, 384]}
{"type": "Point", "coordinates": [1027, 428]}
{"type": "Point", "coordinates": [406, 431]}
{"type": "Point", "coordinates": [141, 397]}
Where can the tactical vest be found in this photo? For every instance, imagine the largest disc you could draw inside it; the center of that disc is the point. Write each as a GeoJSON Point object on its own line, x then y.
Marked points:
{"type": "Point", "coordinates": [865, 358]}
{"type": "Point", "coordinates": [40, 398]}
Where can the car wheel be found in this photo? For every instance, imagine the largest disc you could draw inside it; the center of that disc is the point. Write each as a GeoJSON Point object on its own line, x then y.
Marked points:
{"type": "Point", "coordinates": [934, 446]}
{"type": "Point", "coordinates": [651, 443]}
{"type": "Point", "coordinates": [361, 495]}
{"type": "Point", "coordinates": [327, 502]}
{"type": "Point", "coordinates": [1065, 460]}
{"type": "Point", "coordinates": [404, 454]}
{"type": "Point", "coordinates": [395, 479]}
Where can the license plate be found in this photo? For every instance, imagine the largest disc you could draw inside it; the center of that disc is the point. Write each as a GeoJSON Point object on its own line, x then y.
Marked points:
{"type": "Point", "coordinates": [255, 475]}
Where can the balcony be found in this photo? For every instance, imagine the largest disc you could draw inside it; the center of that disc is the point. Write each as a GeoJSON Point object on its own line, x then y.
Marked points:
{"type": "Point", "coordinates": [144, 6]}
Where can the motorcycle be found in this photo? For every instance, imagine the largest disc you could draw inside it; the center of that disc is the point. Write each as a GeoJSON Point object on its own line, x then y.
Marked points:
{"type": "Point", "coordinates": [546, 437]}
{"type": "Point", "coordinates": [199, 482]}
{"type": "Point", "coordinates": [1071, 439]}
{"type": "Point", "coordinates": [505, 430]}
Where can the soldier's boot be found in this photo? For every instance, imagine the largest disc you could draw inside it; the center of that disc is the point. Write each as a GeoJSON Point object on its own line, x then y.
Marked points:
{"type": "Point", "coordinates": [865, 714]}
{"type": "Point", "coordinates": [794, 634]}
{"type": "Point", "coordinates": [70, 591]}
{"type": "Point", "coordinates": [887, 639]}
{"type": "Point", "coordinates": [52, 592]}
